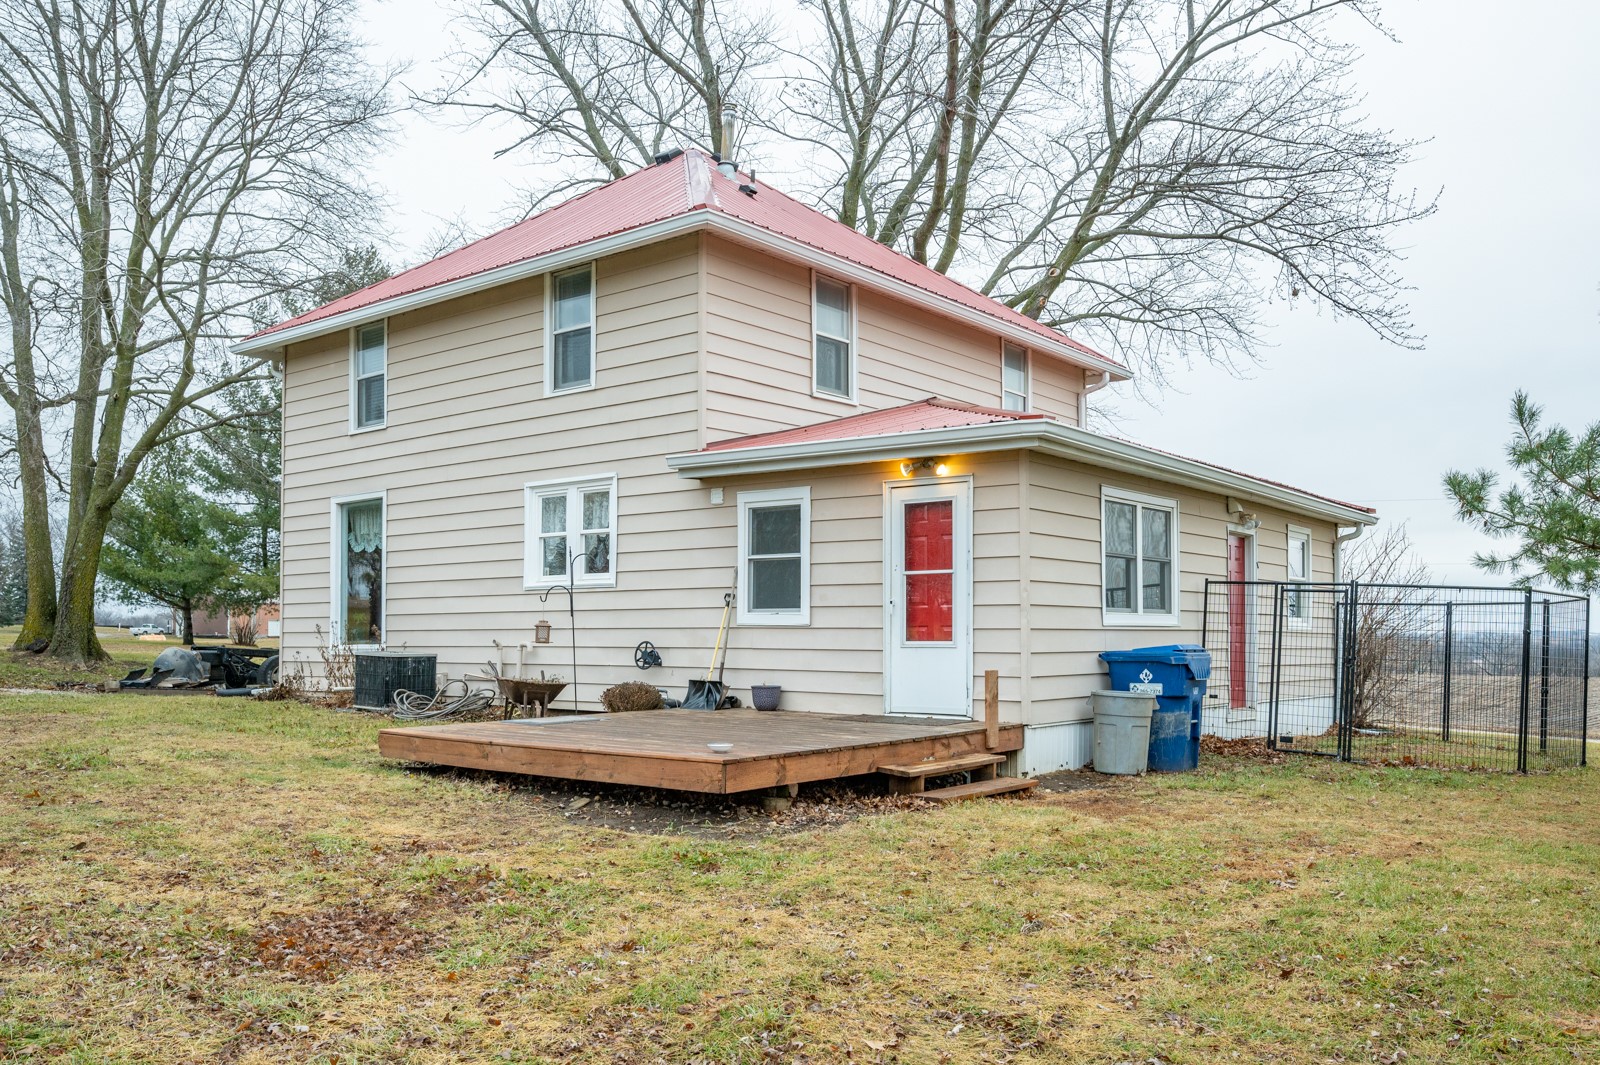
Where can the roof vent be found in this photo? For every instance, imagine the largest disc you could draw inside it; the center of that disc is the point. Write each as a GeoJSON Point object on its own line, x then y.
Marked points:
{"type": "Point", "coordinates": [724, 158]}
{"type": "Point", "coordinates": [748, 190]}
{"type": "Point", "coordinates": [667, 157]}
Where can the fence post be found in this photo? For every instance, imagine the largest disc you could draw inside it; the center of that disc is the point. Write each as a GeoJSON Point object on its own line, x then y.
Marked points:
{"type": "Point", "coordinates": [1347, 670]}
{"type": "Point", "coordinates": [1544, 679]}
{"type": "Point", "coordinates": [1583, 741]}
{"type": "Point", "coordinates": [1527, 679]}
{"type": "Point", "coordinates": [1276, 666]}
{"type": "Point", "coordinates": [1449, 632]}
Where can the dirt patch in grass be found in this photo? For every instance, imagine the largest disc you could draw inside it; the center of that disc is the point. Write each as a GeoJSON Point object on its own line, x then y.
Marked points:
{"type": "Point", "coordinates": [324, 943]}
{"type": "Point", "coordinates": [1251, 749]}
{"type": "Point", "coordinates": [654, 811]}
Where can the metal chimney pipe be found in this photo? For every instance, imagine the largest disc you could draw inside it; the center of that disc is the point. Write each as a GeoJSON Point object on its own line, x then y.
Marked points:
{"type": "Point", "coordinates": [725, 165]}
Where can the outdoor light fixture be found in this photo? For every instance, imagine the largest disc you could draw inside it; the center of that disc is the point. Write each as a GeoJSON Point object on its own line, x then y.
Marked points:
{"type": "Point", "coordinates": [911, 467]}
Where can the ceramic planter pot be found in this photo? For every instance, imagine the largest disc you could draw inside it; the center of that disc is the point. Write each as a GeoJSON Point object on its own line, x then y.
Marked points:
{"type": "Point", "coordinates": [765, 696]}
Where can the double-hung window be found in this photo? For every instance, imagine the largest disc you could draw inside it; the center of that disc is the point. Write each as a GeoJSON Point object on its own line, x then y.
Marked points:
{"type": "Point", "coordinates": [1299, 571]}
{"type": "Point", "coordinates": [775, 557]}
{"type": "Point", "coordinates": [1013, 377]}
{"type": "Point", "coordinates": [571, 532]}
{"type": "Point", "coordinates": [369, 365]}
{"type": "Point", "coordinates": [569, 355]}
{"type": "Point", "coordinates": [833, 354]}
{"type": "Point", "coordinates": [1139, 540]}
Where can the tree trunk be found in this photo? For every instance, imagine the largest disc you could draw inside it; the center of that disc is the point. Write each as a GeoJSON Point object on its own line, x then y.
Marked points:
{"type": "Point", "coordinates": [39, 616]}
{"type": "Point", "coordinates": [74, 640]}
{"type": "Point", "coordinates": [187, 611]}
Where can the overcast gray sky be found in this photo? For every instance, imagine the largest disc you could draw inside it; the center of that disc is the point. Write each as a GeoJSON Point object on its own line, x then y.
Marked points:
{"type": "Point", "coordinates": [1507, 273]}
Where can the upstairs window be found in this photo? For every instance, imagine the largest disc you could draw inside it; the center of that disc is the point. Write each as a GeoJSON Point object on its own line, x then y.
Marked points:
{"type": "Point", "coordinates": [775, 557]}
{"type": "Point", "coordinates": [569, 357]}
{"type": "Point", "coordinates": [369, 364]}
{"type": "Point", "coordinates": [1013, 377]}
{"type": "Point", "coordinates": [571, 532]}
{"type": "Point", "coordinates": [1139, 540]}
{"type": "Point", "coordinates": [833, 320]}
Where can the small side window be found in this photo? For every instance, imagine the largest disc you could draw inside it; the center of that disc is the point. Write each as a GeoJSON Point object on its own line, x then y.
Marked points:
{"type": "Point", "coordinates": [369, 365]}
{"type": "Point", "coordinates": [833, 367]}
{"type": "Point", "coordinates": [1013, 378]}
{"type": "Point", "coordinates": [1299, 570]}
{"type": "Point", "coordinates": [569, 356]}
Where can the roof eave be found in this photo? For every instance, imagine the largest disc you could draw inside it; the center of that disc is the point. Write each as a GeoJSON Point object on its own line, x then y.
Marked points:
{"type": "Point", "coordinates": [848, 270]}
{"type": "Point", "coordinates": [1054, 438]}
{"type": "Point", "coordinates": [264, 345]}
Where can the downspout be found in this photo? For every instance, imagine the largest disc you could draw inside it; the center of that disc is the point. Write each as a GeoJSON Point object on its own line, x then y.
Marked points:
{"type": "Point", "coordinates": [1083, 397]}
{"type": "Point", "coordinates": [1339, 540]}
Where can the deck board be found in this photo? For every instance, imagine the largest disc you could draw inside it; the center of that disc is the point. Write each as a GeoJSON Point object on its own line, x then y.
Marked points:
{"type": "Point", "coordinates": [667, 748]}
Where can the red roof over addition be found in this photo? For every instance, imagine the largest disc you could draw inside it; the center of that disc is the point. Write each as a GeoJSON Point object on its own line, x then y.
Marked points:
{"type": "Point", "coordinates": [678, 188]}
{"type": "Point", "coordinates": [934, 414]}
{"type": "Point", "coordinates": [930, 413]}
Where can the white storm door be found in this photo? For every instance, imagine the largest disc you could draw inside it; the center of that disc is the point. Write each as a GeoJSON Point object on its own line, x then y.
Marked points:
{"type": "Point", "coordinates": [928, 599]}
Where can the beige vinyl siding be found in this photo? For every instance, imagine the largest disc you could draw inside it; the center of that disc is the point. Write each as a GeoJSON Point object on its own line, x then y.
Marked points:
{"type": "Point", "coordinates": [759, 352]}
{"type": "Point", "coordinates": [836, 663]}
{"type": "Point", "coordinates": [468, 426]}
{"type": "Point", "coordinates": [1064, 619]}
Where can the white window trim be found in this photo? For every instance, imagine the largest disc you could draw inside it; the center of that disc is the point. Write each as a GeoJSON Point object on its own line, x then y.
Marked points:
{"type": "Point", "coordinates": [336, 567]}
{"type": "Point", "coordinates": [1296, 532]}
{"type": "Point", "coordinates": [532, 578]}
{"type": "Point", "coordinates": [765, 497]}
{"type": "Point", "coordinates": [855, 347]}
{"type": "Point", "coordinates": [1027, 376]}
{"type": "Point", "coordinates": [355, 337]}
{"type": "Point", "coordinates": [550, 332]}
{"type": "Point", "coordinates": [1138, 619]}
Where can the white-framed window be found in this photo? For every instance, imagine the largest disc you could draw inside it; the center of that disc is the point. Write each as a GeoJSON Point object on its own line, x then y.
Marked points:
{"type": "Point", "coordinates": [569, 349]}
{"type": "Point", "coordinates": [571, 532]}
{"type": "Point", "coordinates": [1013, 377]}
{"type": "Point", "coordinates": [1299, 571]}
{"type": "Point", "coordinates": [775, 557]}
{"type": "Point", "coordinates": [1139, 558]}
{"type": "Point", "coordinates": [356, 612]}
{"type": "Point", "coordinates": [833, 319]}
{"type": "Point", "coordinates": [369, 376]}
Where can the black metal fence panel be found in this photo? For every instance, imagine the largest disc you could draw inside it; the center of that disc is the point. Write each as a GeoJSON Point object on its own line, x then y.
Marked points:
{"type": "Point", "coordinates": [1448, 676]}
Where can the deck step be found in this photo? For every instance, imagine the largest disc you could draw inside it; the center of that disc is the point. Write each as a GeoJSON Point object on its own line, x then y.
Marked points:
{"type": "Point", "coordinates": [979, 788]}
{"type": "Point", "coordinates": [959, 764]}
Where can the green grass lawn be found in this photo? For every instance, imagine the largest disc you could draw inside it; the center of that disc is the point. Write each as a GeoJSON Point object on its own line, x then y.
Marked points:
{"type": "Point", "coordinates": [198, 880]}
{"type": "Point", "coordinates": [19, 669]}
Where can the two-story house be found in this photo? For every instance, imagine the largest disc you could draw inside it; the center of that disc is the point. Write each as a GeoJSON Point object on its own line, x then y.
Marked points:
{"type": "Point", "coordinates": [686, 381]}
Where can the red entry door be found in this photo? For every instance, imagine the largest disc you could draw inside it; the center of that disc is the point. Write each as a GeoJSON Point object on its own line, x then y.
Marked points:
{"type": "Point", "coordinates": [1238, 646]}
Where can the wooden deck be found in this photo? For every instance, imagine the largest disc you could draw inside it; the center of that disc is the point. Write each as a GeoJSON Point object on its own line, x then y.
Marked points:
{"type": "Point", "coordinates": [667, 748]}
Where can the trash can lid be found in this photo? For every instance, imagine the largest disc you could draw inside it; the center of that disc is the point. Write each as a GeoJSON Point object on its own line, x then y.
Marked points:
{"type": "Point", "coordinates": [1170, 654]}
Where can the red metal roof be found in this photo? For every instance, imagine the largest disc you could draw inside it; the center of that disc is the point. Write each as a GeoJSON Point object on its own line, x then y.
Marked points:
{"type": "Point", "coordinates": [688, 183]}
{"type": "Point", "coordinates": [934, 413]}
{"type": "Point", "coordinates": [930, 413]}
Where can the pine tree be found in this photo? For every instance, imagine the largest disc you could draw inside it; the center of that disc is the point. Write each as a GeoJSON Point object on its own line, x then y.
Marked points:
{"type": "Point", "coordinates": [1552, 510]}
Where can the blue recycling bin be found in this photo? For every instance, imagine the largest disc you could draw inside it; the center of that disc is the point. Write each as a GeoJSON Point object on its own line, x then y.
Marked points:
{"type": "Point", "coordinates": [1176, 675]}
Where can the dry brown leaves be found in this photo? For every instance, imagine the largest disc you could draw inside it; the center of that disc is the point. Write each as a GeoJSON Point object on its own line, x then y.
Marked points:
{"type": "Point", "coordinates": [324, 943]}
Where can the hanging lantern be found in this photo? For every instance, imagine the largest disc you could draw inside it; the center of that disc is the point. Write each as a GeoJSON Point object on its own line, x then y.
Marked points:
{"type": "Point", "coordinates": [541, 631]}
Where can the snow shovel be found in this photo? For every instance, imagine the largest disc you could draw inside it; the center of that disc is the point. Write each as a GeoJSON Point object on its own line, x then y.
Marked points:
{"type": "Point", "coordinates": [708, 694]}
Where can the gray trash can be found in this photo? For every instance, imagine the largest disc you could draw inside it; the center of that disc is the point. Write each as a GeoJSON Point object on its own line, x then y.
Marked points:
{"type": "Point", "coordinates": [1122, 731]}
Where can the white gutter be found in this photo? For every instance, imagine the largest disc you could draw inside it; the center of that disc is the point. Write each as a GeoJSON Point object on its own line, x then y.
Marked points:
{"type": "Point", "coordinates": [702, 218]}
{"type": "Point", "coordinates": [1083, 397]}
{"type": "Point", "coordinates": [1339, 540]}
{"type": "Point", "coordinates": [1034, 434]}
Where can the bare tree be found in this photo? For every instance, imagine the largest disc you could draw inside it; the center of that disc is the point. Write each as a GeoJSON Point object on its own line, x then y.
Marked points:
{"type": "Point", "coordinates": [1384, 637]}
{"type": "Point", "coordinates": [1148, 173]}
{"type": "Point", "coordinates": [608, 85]}
{"type": "Point", "coordinates": [165, 167]}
